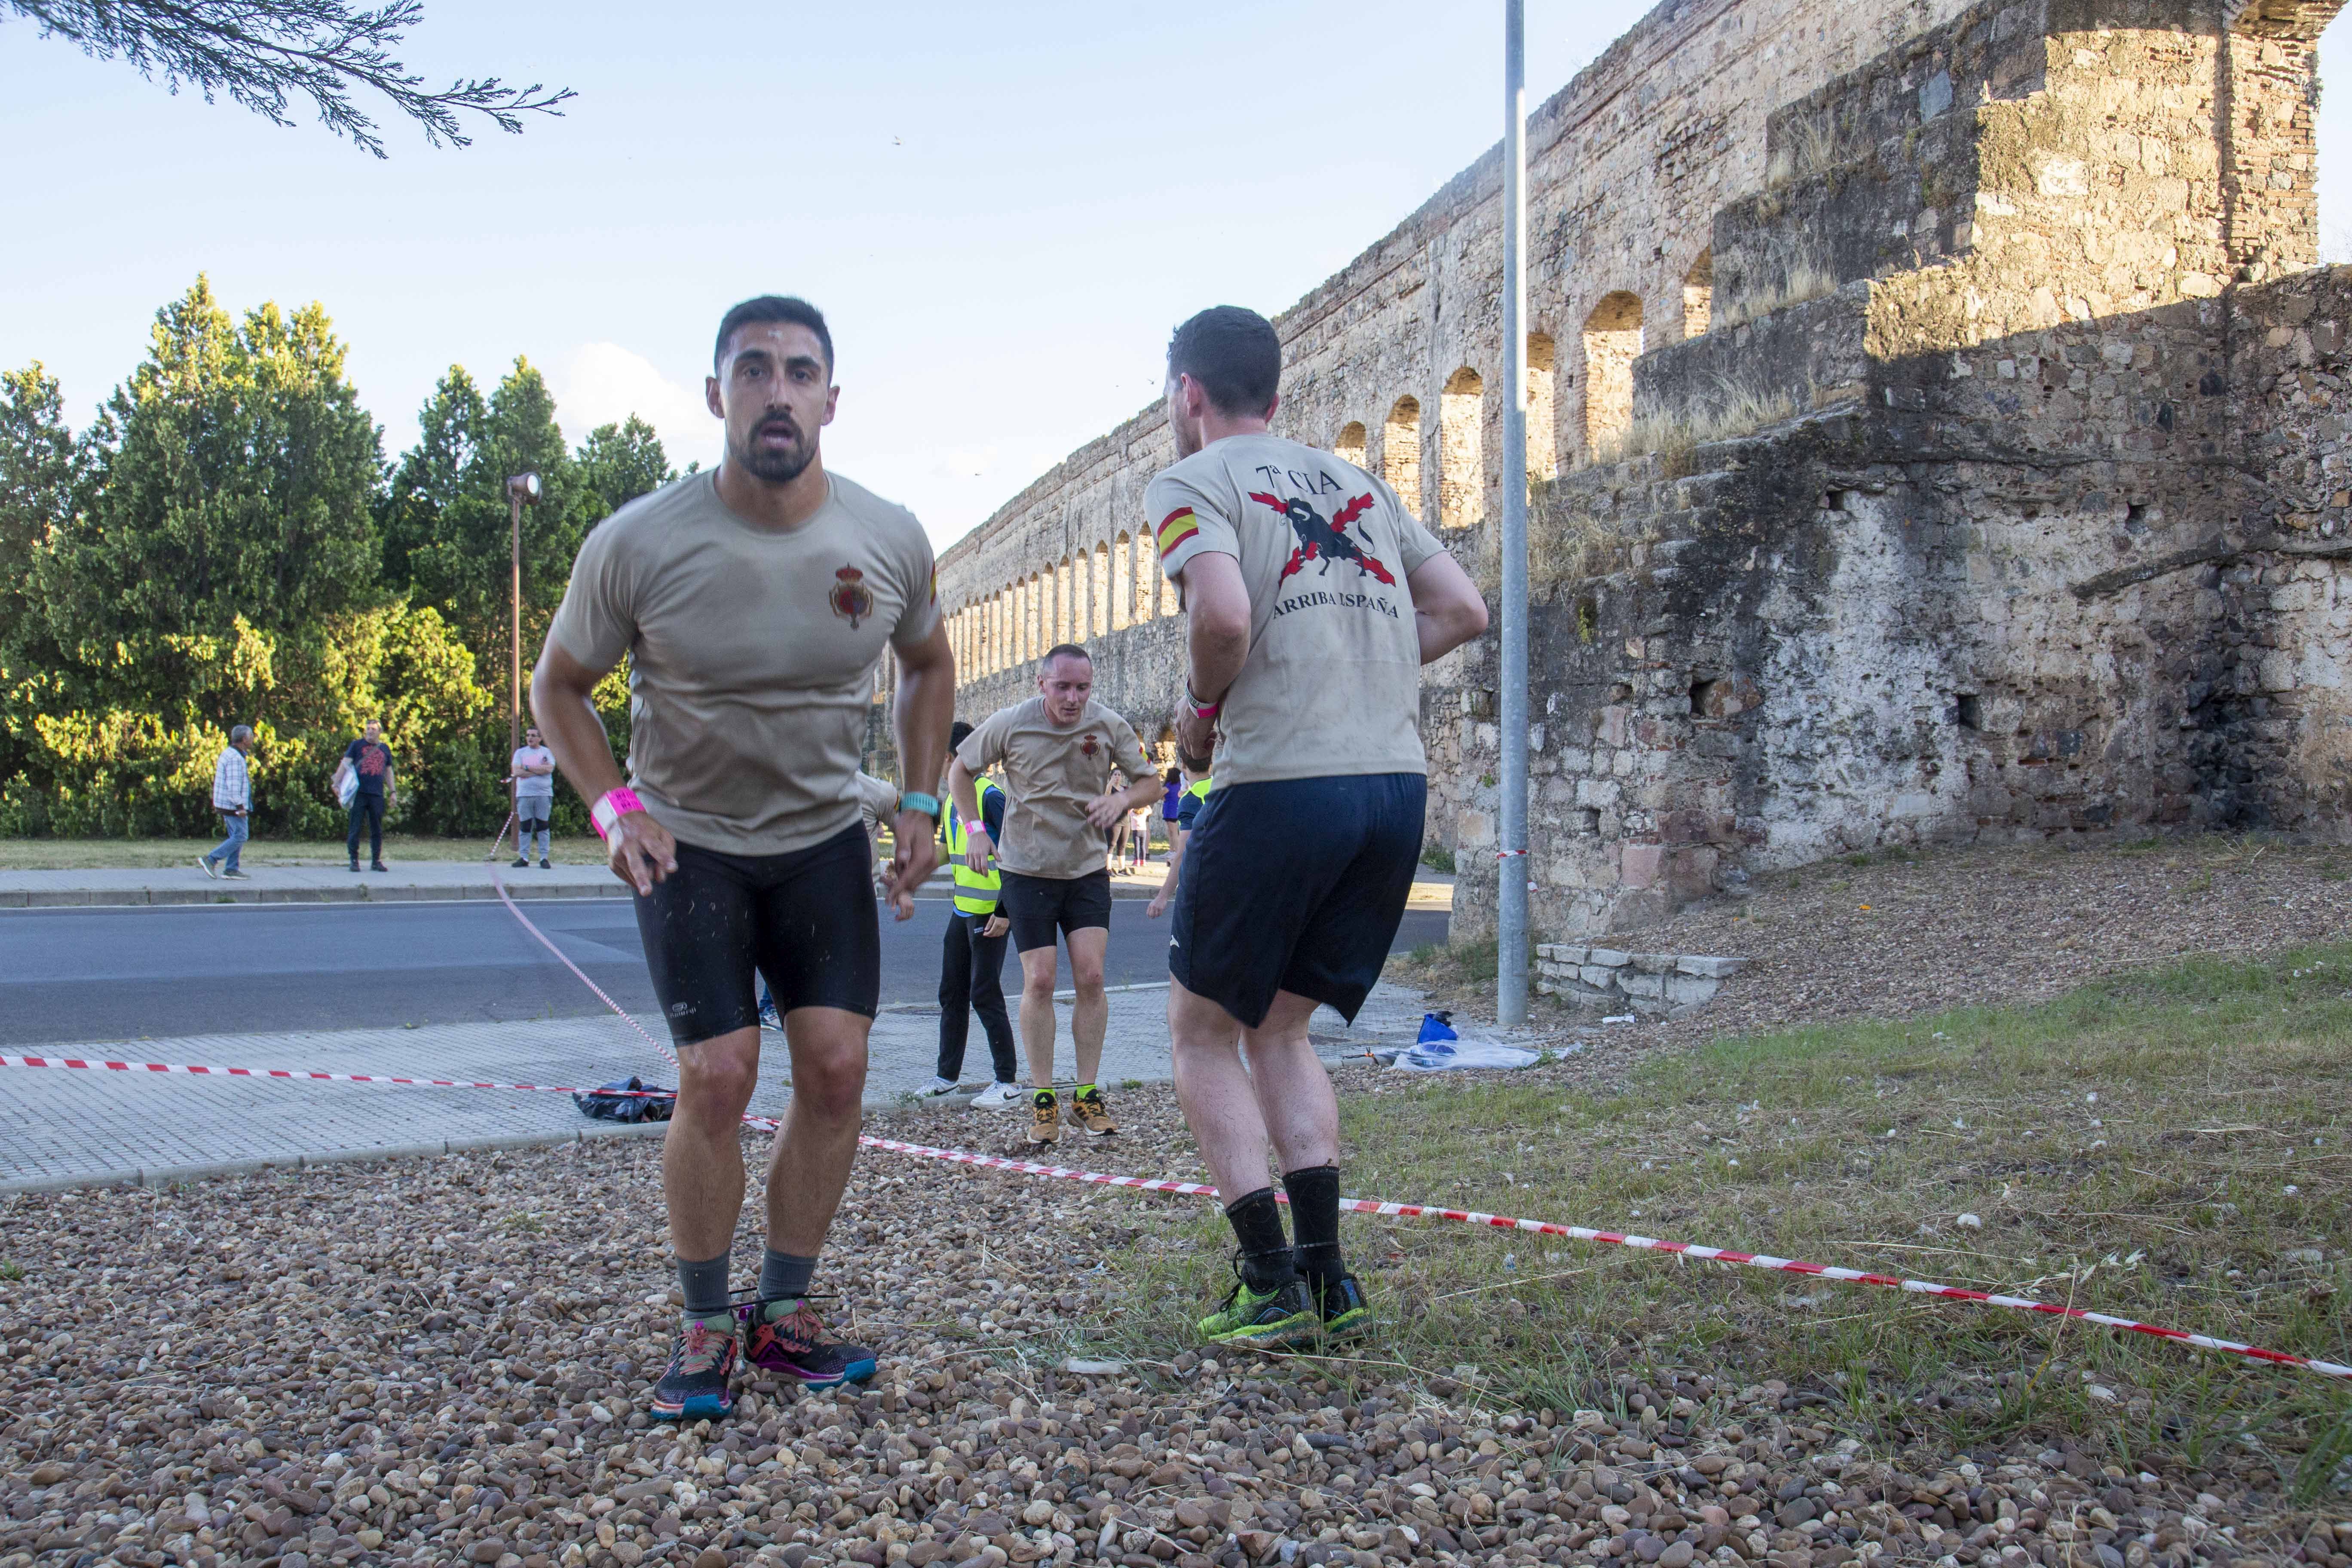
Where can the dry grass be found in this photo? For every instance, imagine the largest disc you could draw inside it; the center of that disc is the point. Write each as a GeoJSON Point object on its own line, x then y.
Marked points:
{"type": "Point", "coordinates": [1806, 278]}
{"type": "Point", "coordinates": [2172, 1146]}
{"type": "Point", "coordinates": [1814, 144]}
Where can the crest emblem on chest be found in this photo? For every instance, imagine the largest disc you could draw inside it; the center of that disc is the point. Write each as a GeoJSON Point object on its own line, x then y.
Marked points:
{"type": "Point", "coordinates": [1089, 747]}
{"type": "Point", "coordinates": [851, 599]}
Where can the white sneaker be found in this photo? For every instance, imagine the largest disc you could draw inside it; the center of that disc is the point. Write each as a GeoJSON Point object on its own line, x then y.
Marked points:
{"type": "Point", "coordinates": [939, 1085]}
{"type": "Point", "coordinates": [207, 862]}
{"type": "Point", "coordinates": [1001, 1097]}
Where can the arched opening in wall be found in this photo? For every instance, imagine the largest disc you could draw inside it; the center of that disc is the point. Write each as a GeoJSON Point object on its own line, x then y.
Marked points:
{"type": "Point", "coordinates": [1349, 447]}
{"type": "Point", "coordinates": [1057, 604]}
{"type": "Point", "coordinates": [1122, 584]}
{"type": "Point", "coordinates": [1031, 612]}
{"type": "Point", "coordinates": [1102, 595]}
{"type": "Point", "coordinates": [1543, 437]}
{"type": "Point", "coordinates": [1165, 600]}
{"type": "Point", "coordinates": [1613, 341]}
{"type": "Point", "coordinates": [1461, 473]}
{"type": "Point", "coordinates": [1699, 295]}
{"type": "Point", "coordinates": [1400, 452]}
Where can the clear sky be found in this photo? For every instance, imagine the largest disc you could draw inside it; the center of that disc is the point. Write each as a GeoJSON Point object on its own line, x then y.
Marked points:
{"type": "Point", "coordinates": [1002, 209]}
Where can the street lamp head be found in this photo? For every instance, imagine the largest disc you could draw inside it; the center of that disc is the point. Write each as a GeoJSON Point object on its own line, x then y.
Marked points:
{"type": "Point", "coordinates": [524, 487]}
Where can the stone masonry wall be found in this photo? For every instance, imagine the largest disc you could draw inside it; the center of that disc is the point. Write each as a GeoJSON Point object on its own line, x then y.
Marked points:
{"type": "Point", "coordinates": [2004, 494]}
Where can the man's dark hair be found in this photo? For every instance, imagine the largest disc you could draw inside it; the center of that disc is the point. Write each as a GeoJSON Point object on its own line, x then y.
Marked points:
{"type": "Point", "coordinates": [774, 307]}
{"type": "Point", "coordinates": [956, 732]}
{"type": "Point", "coordinates": [1235, 356]}
{"type": "Point", "coordinates": [1061, 650]}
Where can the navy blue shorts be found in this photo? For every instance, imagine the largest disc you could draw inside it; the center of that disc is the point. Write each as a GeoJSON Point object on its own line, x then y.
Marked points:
{"type": "Point", "coordinates": [1295, 885]}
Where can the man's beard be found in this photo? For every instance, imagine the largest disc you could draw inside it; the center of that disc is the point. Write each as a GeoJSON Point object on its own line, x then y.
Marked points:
{"type": "Point", "coordinates": [776, 467]}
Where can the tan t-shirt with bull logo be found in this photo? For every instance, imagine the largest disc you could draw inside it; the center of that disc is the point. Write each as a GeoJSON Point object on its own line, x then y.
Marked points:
{"type": "Point", "coordinates": [1051, 776]}
{"type": "Point", "coordinates": [1332, 684]}
{"type": "Point", "coordinates": [751, 653]}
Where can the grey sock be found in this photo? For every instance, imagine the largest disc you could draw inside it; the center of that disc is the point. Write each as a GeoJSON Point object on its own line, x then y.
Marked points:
{"type": "Point", "coordinates": [705, 1285]}
{"type": "Point", "coordinates": [785, 1276]}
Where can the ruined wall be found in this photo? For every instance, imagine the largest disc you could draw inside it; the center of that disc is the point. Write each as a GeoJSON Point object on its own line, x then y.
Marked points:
{"type": "Point", "coordinates": [1397, 355]}
{"type": "Point", "coordinates": [1985, 482]}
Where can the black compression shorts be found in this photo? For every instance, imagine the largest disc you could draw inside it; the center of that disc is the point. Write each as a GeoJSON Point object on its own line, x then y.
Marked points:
{"type": "Point", "coordinates": [805, 921]}
{"type": "Point", "coordinates": [1295, 885]}
{"type": "Point", "coordinates": [1039, 907]}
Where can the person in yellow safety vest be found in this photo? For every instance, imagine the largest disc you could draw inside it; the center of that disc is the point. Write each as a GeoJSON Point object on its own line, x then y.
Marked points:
{"type": "Point", "coordinates": [972, 966]}
{"type": "Point", "coordinates": [1196, 793]}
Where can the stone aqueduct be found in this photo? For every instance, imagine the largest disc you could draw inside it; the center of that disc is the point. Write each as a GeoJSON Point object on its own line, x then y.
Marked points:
{"type": "Point", "coordinates": [1861, 333]}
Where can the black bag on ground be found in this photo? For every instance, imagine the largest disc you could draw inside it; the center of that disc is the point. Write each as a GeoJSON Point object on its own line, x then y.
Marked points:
{"type": "Point", "coordinates": [632, 1100]}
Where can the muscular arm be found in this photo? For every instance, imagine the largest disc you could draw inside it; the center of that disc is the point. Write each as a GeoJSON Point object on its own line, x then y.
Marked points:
{"type": "Point", "coordinates": [641, 850]}
{"type": "Point", "coordinates": [925, 707]}
{"type": "Point", "coordinates": [1447, 610]}
{"type": "Point", "coordinates": [1217, 631]}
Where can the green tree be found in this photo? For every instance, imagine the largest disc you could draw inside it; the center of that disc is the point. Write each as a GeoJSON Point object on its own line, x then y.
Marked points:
{"type": "Point", "coordinates": [43, 474]}
{"type": "Point", "coordinates": [621, 463]}
{"type": "Point", "coordinates": [449, 430]}
{"type": "Point", "coordinates": [234, 475]}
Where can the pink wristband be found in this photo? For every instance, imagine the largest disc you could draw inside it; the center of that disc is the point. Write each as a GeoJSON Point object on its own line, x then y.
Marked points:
{"type": "Point", "coordinates": [606, 814]}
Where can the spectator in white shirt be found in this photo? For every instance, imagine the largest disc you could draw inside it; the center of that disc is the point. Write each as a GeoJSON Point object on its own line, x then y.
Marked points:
{"type": "Point", "coordinates": [233, 798]}
{"type": "Point", "coordinates": [531, 770]}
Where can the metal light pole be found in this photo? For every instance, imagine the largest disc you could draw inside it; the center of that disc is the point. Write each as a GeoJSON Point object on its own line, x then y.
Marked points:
{"type": "Point", "coordinates": [522, 490]}
{"type": "Point", "coordinates": [1511, 902]}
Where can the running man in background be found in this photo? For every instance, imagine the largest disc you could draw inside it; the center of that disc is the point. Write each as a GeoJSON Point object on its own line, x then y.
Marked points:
{"type": "Point", "coordinates": [972, 965]}
{"type": "Point", "coordinates": [755, 601]}
{"type": "Point", "coordinates": [532, 770]}
{"type": "Point", "coordinates": [1059, 748]}
{"type": "Point", "coordinates": [370, 760]}
{"type": "Point", "coordinates": [1312, 598]}
{"type": "Point", "coordinates": [1193, 774]}
{"type": "Point", "coordinates": [233, 798]}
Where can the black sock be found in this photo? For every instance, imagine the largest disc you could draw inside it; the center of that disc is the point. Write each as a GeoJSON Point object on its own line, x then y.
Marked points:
{"type": "Point", "coordinates": [1267, 1262]}
{"type": "Point", "coordinates": [704, 1285]}
{"type": "Point", "coordinates": [785, 1276]}
{"type": "Point", "coordinates": [1314, 1216]}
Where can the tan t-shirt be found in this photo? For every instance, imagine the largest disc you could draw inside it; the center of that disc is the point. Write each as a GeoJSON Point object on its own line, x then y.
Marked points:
{"type": "Point", "coordinates": [1332, 684]}
{"type": "Point", "coordinates": [1051, 776]}
{"type": "Point", "coordinates": [751, 653]}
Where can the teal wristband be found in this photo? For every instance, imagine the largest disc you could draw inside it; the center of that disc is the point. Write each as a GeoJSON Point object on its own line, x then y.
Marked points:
{"type": "Point", "coordinates": [915, 800]}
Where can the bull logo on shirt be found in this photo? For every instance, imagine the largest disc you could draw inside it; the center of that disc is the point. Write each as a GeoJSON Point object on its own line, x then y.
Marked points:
{"type": "Point", "coordinates": [1326, 542]}
{"type": "Point", "coordinates": [851, 599]}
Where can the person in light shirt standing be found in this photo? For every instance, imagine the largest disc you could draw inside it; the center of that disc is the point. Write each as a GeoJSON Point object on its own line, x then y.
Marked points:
{"type": "Point", "coordinates": [532, 773]}
{"type": "Point", "coordinates": [1311, 598]}
{"type": "Point", "coordinates": [233, 798]}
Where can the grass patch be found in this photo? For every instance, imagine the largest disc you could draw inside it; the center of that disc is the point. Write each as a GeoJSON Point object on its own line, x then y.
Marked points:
{"type": "Point", "coordinates": [2173, 1146]}
{"type": "Point", "coordinates": [1438, 857]}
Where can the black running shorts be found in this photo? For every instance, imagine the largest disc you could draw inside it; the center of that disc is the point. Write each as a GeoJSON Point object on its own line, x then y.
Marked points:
{"type": "Point", "coordinates": [805, 921]}
{"type": "Point", "coordinates": [1039, 907]}
{"type": "Point", "coordinates": [1295, 885]}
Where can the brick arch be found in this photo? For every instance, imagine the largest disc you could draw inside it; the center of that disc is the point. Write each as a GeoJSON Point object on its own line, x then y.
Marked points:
{"type": "Point", "coordinates": [1349, 448]}
{"type": "Point", "coordinates": [1543, 418]}
{"type": "Point", "coordinates": [1401, 451]}
{"type": "Point", "coordinates": [1613, 341]}
{"type": "Point", "coordinates": [1461, 457]}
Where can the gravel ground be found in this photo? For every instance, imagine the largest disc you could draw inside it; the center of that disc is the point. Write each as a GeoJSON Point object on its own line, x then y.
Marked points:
{"type": "Point", "coordinates": [447, 1361]}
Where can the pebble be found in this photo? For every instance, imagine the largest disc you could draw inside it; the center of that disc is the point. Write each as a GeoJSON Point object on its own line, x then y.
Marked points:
{"type": "Point", "coordinates": [466, 1391]}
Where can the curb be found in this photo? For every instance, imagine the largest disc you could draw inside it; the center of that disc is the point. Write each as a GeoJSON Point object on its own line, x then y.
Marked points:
{"type": "Point", "coordinates": [135, 898]}
{"type": "Point", "coordinates": [175, 1175]}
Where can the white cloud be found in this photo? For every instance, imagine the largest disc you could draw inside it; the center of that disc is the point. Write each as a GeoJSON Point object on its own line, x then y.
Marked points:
{"type": "Point", "coordinates": [603, 383]}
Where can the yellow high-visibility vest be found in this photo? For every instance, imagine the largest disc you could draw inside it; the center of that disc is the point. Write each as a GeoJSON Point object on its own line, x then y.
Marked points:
{"type": "Point", "coordinates": [975, 891]}
{"type": "Point", "coordinates": [1199, 788]}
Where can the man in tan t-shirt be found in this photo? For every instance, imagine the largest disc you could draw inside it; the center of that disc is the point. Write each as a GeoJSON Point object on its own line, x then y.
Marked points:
{"type": "Point", "coordinates": [1058, 750]}
{"type": "Point", "coordinates": [1313, 597]}
{"type": "Point", "coordinates": [753, 602]}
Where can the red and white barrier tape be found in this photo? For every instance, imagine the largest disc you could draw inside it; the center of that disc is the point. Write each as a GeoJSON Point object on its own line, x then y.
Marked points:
{"type": "Point", "coordinates": [192, 1070]}
{"type": "Point", "coordinates": [1353, 1205]}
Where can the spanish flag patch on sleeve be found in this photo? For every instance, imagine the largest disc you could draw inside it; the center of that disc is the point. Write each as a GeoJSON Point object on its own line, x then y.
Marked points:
{"type": "Point", "coordinates": [1176, 528]}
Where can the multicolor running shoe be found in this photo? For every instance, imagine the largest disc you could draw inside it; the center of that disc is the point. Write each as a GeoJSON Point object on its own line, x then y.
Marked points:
{"type": "Point", "coordinates": [693, 1387]}
{"type": "Point", "coordinates": [785, 1336]}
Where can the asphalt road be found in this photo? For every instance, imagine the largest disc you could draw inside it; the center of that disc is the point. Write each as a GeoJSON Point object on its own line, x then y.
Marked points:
{"type": "Point", "coordinates": [89, 974]}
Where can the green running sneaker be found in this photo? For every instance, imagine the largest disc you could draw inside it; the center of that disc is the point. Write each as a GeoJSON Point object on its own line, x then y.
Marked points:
{"type": "Point", "coordinates": [1345, 1312]}
{"type": "Point", "coordinates": [1266, 1321]}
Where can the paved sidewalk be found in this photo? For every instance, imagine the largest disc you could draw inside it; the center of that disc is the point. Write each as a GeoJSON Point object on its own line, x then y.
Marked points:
{"type": "Point", "coordinates": [64, 1127]}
